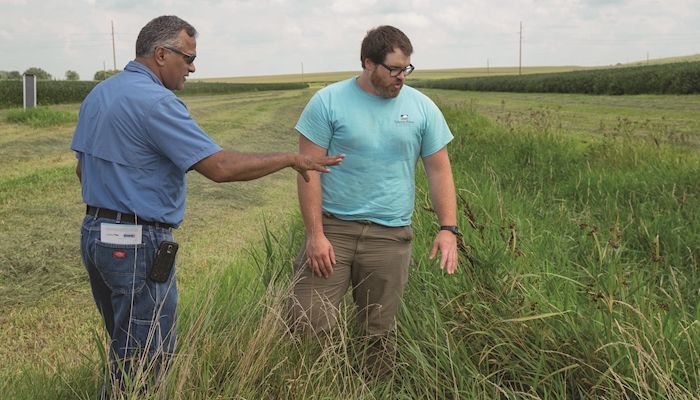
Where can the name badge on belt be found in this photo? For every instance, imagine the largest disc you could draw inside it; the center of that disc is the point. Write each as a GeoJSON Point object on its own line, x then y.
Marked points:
{"type": "Point", "coordinates": [120, 233]}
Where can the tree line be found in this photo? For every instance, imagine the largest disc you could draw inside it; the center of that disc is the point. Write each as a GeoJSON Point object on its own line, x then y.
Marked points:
{"type": "Point", "coordinates": [40, 74]}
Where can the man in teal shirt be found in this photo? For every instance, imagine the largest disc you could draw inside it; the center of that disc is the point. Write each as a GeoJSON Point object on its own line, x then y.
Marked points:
{"type": "Point", "coordinates": [358, 218]}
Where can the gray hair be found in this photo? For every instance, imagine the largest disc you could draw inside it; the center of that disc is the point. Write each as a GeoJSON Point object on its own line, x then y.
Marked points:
{"type": "Point", "coordinates": [161, 32]}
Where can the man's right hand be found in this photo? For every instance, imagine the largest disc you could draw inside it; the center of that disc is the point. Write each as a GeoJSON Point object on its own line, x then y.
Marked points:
{"type": "Point", "coordinates": [320, 255]}
{"type": "Point", "coordinates": [304, 163]}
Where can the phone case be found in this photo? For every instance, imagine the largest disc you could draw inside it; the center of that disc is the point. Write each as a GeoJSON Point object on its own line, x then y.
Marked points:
{"type": "Point", "coordinates": [164, 261]}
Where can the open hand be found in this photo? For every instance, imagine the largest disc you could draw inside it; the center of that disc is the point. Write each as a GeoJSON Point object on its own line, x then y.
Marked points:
{"type": "Point", "coordinates": [446, 244]}
{"type": "Point", "coordinates": [304, 163]}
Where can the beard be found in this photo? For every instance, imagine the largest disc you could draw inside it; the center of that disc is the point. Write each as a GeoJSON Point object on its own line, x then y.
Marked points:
{"type": "Point", "coordinates": [387, 88]}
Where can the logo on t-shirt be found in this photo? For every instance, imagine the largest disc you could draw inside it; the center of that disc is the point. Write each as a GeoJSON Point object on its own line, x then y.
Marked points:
{"type": "Point", "coordinates": [403, 119]}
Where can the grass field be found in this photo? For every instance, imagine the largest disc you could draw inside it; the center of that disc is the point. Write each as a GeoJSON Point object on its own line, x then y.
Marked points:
{"type": "Point", "coordinates": [429, 74]}
{"type": "Point", "coordinates": [578, 280]}
{"type": "Point", "coordinates": [45, 303]}
{"type": "Point", "coordinates": [327, 77]}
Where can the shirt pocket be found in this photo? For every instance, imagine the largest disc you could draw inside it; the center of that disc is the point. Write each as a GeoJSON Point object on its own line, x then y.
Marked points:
{"type": "Point", "coordinates": [122, 267]}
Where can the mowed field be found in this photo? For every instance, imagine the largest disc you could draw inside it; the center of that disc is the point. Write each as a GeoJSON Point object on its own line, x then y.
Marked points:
{"type": "Point", "coordinates": [47, 317]}
{"type": "Point", "coordinates": [579, 273]}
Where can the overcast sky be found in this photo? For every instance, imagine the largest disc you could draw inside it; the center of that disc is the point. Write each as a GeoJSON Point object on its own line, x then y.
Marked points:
{"type": "Point", "coordinates": [264, 37]}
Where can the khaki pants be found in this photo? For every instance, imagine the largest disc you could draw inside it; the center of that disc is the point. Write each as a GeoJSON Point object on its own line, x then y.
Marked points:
{"type": "Point", "coordinates": [373, 258]}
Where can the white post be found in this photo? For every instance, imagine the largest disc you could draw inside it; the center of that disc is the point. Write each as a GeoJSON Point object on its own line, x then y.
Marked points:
{"type": "Point", "coordinates": [29, 92]}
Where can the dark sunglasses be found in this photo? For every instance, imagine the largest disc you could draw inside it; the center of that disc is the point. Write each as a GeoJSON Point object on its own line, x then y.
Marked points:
{"type": "Point", "coordinates": [189, 58]}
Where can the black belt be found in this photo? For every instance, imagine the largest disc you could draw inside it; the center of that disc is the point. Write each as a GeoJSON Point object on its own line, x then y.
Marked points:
{"type": "Point", "coordinates": [128, 218]}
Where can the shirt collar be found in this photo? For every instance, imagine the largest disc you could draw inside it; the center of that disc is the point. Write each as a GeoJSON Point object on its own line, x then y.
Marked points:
{"type": "Point", "coordinates": [135, 66]}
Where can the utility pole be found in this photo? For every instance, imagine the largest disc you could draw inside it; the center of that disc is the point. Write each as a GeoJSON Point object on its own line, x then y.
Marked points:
{"type": "Point", "coordinates": [302, 72]}
{"type": "Point", "coordinates": [114, 52]}
{"type": "Point", "coordinates": [520, 52]}
{"type": "Point", "coordinates": [488, 71]}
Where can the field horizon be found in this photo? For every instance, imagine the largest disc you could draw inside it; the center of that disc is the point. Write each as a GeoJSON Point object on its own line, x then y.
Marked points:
{"type": "Point", "coordinates": [440, 73]}
{"type": "Point", "coordinates": [578, 277]}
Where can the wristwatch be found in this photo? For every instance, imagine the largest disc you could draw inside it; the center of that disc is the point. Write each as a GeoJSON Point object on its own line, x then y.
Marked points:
{"type": "Point", "coordinates": [452, 228]}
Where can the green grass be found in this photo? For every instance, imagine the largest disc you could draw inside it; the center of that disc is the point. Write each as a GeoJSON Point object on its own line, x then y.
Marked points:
{"type": "Point", "coordinates": [419, 74]}
{"type": "Point", "coordinates": [66, 92]}
{"type": "Point", "coordinates": [667, 119]}
{"type": "Point", "coordinates": [41, 116]}
{"type": "Point", "coordinates": [672, 78]}
{"type": "Point", "coordinates": [41, 210]}
{"type": "Point", "coordinates": [578, 279]}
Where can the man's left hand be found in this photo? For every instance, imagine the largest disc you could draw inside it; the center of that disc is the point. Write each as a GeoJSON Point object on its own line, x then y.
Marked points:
{"type": "Point", "coordinates": [446, 243]}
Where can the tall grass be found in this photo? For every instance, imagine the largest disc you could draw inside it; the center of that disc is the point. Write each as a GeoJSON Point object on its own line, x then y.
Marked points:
{"type": "Point", "coordinates": [578, 279]}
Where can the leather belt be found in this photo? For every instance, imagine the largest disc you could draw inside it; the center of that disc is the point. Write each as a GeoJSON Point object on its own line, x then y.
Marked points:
{"type": "Point", "coordinates": [128, 218]}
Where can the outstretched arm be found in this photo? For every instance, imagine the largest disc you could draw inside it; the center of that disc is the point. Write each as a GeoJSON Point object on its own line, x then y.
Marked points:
{"type": "Point", "coordinates": [444, 198]}
{"type": "Point", "coordinates": [229, 166]}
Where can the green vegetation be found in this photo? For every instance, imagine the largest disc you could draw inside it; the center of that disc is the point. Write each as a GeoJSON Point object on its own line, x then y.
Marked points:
{"type": "Point", "coordinates": [677, 78]}
{"type": "Point", "coordinates": [39, 73]}
{"type": "Point", "coordinates": [104, 74]}
{"type": "Point", "coordinates": [47, 92]}
{"type": "Point", "coordinates": [579, 269]}
{"type": "Point", "coordinates": [222, 88]}
{"type": "Point", "coordinates": [72, 75]}
{"type": "Point", "coordinates": [670, 119]}
{"type": "Point", "coordinates": [41, 116]}
{"type": "Point", "coordinates": [14, 75]}
{"type": "Point", "coordinates": [419, 74]}
{"type": "Point", "coordinates": [61, 92]}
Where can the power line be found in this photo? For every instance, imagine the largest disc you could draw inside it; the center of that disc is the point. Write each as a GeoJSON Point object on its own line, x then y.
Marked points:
{"type": "Point", "coordinates": [520, 52]}
{"type": "Point", "coordinates": [114, 52]}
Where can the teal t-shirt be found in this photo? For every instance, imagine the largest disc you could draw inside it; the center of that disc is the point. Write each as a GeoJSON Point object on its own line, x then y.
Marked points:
{"type": "Point", "coordinates": [382, 140]}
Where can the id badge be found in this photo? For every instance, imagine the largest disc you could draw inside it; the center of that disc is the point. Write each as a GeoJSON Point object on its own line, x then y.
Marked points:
{"type": "Point", "coordinates": [120, 233]}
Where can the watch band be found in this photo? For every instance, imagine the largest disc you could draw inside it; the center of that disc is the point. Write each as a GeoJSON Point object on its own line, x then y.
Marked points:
{"type": "Point", "coordinates": [451, 228]}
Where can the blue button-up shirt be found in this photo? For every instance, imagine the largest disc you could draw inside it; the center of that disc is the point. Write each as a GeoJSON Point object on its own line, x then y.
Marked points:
{"type": "Point", "coordinates": [136, 141]}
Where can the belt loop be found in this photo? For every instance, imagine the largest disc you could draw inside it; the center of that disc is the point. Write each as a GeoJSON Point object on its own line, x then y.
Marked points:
{"type": "Point", "coordinates": [119, 218]}
{"type": "Point", "coordinates": [97, 213]}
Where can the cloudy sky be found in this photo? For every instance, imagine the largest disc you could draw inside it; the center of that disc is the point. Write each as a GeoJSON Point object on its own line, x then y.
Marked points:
{"type": "Point", "coordinates": [264, 37]}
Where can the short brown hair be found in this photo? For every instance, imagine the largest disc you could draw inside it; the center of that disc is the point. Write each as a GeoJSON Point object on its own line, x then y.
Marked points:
{"type": "Point", "coordinates": [381, 41]}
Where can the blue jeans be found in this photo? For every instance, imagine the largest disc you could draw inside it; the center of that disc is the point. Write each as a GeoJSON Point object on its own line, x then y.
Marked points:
{"type": "Point", "coordinates": [139, 314]}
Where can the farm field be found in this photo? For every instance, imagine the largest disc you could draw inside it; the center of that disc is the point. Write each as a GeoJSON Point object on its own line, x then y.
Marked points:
{"type": "Point", "coordinates": [326, 77]}
{"type": "Point", "coordinates": [578, 279]}
{"type": "Point", "coordinates": [668, 118]}
{"type": "Point", "coordinates": [430, 74]}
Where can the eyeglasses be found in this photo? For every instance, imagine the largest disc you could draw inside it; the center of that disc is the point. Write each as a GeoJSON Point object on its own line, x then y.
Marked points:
{"type": "Point", "coordinates": [189, 58]}
{"type": "Point", "coordinates": [396, 71]}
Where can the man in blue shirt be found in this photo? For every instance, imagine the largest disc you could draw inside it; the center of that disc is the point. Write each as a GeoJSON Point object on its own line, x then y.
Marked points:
{"type": "Point", "coordinates": [135, 141]}
{"type": "Point", "coordinates": [358, 219]}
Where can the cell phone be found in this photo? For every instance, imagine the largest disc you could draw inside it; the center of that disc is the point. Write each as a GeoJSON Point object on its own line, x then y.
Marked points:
{"type": "Point", "coordinates": [164, 261]}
